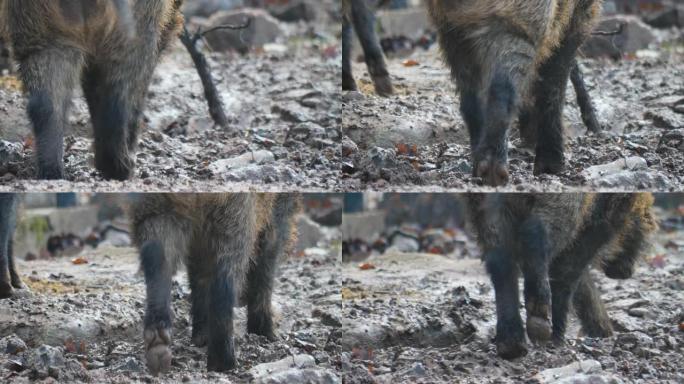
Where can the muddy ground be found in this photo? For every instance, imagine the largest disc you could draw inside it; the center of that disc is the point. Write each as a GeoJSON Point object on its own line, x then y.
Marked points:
{"type": "Point", "coordinates": [639, 101]}
{"type": "Point", "coordinates": [426, 318]}
{"type": "Point", "coordinates": [283, 104]}
{"type": "Point", "coordinates": [83, 323]}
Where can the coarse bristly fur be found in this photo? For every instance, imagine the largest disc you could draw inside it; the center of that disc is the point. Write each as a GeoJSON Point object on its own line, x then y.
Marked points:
{"type": "Point", "coordinates": [552, 239]}
{"type": "Point", "coordinates": [510, 56]}
{"type": "Point", "coordinates": [111, 47]}
{"type": "Point", "coordinates": [230, 244]}
{"type": "Point", "coordinates": [10, 281]}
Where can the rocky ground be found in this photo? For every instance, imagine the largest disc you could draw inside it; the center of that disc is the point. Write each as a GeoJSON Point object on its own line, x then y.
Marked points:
{"type": "Point", "coordinates": [426, 318]}
{"type": "Point", "coordinates": [416, 139]}
{"type": "Point", "coordinates": [83, 323]}
{"type": "Point", "coordinates": [283, 104]}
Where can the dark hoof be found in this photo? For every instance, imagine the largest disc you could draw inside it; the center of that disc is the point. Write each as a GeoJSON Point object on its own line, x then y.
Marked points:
{"type": "Point", "coordinates": [221, 359]}
{"type": "Point", "coordinates": [120, 170]}
{"type": "Point", "coordinates": [549, 166]}
{"type": "Point", "coordinates": [599, 332]}
{"type": "Point", "coordinates": [16, 283]}
{"type": "Point", "coordinates": [261, 325]}
{"type": "Point", "coordinates": [6, 290]}
{"type": "Point", "coordinates": [492, 172]}
{"type": "Point", "coordinates": [383, 86]}
{"type": "Point", "coordinates": [616, 269]}
{"type": "Point", "coordinates": [158, 350]}
{"type": "Point", "coordinates": [349, 85]}
{"type": "Point", "coordinates": [538, 329]}
{"type": "Point", "coordinates": [511, 349]}
{"type": "Point", "coordinates": [51, 172]}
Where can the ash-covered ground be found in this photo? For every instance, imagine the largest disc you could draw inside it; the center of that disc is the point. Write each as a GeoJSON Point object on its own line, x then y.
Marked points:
{"type": "Point", "coordinates": [417, 140]}
{"type": "Point", "coordinates": [83, 323]}
{"type": "Point", "coordinates": [282, 102]}
{"type": "Point", "coordinates": [427, 318]}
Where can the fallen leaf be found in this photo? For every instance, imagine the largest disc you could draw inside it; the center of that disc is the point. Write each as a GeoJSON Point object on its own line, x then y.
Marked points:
{"type": "Point", "coordinates": [410, 63]}
{"type": "Point", "coordinates": [366, 266]}
{"type": "Point", "coordinates": [658, 261]}
{"type": "Point", "coordinates": [79, 261]}
{"type": "Point", "coordinates": [69, 345]}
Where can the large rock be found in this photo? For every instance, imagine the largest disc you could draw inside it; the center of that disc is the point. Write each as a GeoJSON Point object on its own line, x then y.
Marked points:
{"type": "Point", "coordinates": [262, 30]}
{"type": "Point", "coordinates": [634, 35]}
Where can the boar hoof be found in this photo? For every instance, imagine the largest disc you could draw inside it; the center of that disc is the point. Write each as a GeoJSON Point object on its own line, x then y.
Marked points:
{"type": "Point", "coordinates": [222, 361]}
{"type": "Point", "coordinates": [6, 290]}
{"type": "Point", "coordinates": [348, 84]}
{"type": "Point", "coordinates": [158, 350]}
{"type": "Point", "coordinates": [55, 172]}
{"type": "Point", "coordinates": [538, 329]}
{"type": "Point", "coordinates": [383, 85]}
{"type": "Point", "coordinates": [511, 349]}
{"type": "Point", "coordinates": [552, 167]}
{"type": "Point", "coordinates": [492, 172]}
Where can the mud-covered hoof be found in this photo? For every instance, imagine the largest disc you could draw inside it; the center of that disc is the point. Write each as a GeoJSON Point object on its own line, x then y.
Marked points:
{"type": "Point", "coordinates": [50, 172]}
{"type": "Point", "coordinates": [597, 332]}
{"type": "Point", "coordinates": [6, 290]}
{"type": "Point", "coordinates": [222, 361]}
{"type": "Point", "coordinates": [548, 166]}
{"type": "Point", "coordinates": [511, 349]}
{"type": "Point", "coordinates": [121, 169]}
{"type": "Point", "coordinates": [349, 85]}
{"type": "Point", "coordinates": [538, 329]}
{"type": "Point", "coordinates": [383, 86]}
{"type": "Point", "coordinates": [492, 172]}
{"type": "Point", "coordinates": [158, 350]}
{"type": "Point", "coordinates": [617, 269]}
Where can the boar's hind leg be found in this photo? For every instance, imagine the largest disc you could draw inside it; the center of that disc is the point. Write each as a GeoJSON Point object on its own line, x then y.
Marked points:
{"type": "Point", "coordinates": [110, 110]}
{"type": "Point", "coordinates": [490, 84]}
{"type": "Point", "coordinates": [158, 316]}
{"type": "Point", "coordinates": [273, 242]}
{"type": "Point", "coordinates": [348, 82]}
{"type": "Point", "coordinates": [589, 308]}
{"type": "Point", "coordinates": [6, 233]}
{"type": "Point", "coordinates": [535, 261]}
{"type": "Point", "coordinates": [608, 215]}
{"type": "Point", "coordinates": [49, 77]}
{"type": "Point", "coordinates": [115, 90]}
{"type": "Point", "coordinates": [510, 336]}
{"type": "Point", "coordinates": [621, 265]}
{"type": "Point", "coordinates": [364, 24]}
{"type": "Point", "coordinates": [232, 253]}
{"type": "Point", "coordinates": [550, 99]}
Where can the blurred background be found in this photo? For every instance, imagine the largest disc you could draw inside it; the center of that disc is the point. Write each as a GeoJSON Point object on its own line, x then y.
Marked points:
{"type": "Point", "coordinates": [67, 224]}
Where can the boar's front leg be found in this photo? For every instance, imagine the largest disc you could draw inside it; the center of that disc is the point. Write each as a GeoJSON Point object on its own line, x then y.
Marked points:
{"type": "Point", "coordinates": [364, 24]}
{"type": "Point", "coordinates": [535, 264]}
{"type": "Point", "coordinates": [158, 314]}
{"type": "Point", "coordinates": [273, 242]}
{"type": "Point", "coordinates": [49, 76]}
{"type": "Point", "coordinates": [510, 335]}
{"type": "Point", "coordinates": [590, 309]}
